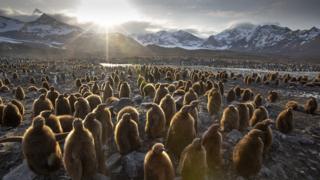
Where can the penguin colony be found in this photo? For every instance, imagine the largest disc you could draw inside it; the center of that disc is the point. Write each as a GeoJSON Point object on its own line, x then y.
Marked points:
{"type": "Point", "coordinates": [86, 121]}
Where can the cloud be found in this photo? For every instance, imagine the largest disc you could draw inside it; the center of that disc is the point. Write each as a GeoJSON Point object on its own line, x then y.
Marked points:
{"type": "Point", "coordinates": [50, 6]}
{"type": "Point", "coordinates": [137, 27]}
{"type": "Point", "coordinates": [220, 13]}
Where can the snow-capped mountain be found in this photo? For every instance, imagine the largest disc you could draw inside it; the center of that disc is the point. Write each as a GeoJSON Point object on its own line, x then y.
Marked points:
{"type": "Point", "coordinates": [179, 38]}
{"type": "Point", "coordinates": [242, 37]}
{"type": "Point", "coordinates": [234, 36]}
{"type": "Point", "coordinates": [46, 25]}
{"type": "Point", "coordinates": [262, 38]}
{"type": "Point", "coordinates": [8, 24]}
{"type": "Point", "coordinates": [274, 39]}
{"type": "Point", "coordinates": [44, 30]}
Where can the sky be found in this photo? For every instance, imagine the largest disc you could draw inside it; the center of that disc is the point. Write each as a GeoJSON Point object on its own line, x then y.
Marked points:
{"type": "Point", "coordinates": [201, 17]}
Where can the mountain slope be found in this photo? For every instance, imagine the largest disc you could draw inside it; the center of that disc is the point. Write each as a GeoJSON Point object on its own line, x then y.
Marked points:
{"type": "Point", "coordinates": [9, 24]}
{"type": "Point", "coordinates": [46, 25]}
{"type": "Point", "coordinates": [170, 39]}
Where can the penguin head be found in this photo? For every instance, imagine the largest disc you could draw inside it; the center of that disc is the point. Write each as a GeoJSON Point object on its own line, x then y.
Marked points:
{"type": "Point", "coordinates": [126, 117]}
{"type": "Point", "coordinates": [158, 148]}
{"type": "Point", "coordinates": [77, 124]}
{"type": "Point", "coordinates": [196, 143]}
{"type": "Point", "coordinates": [38, 122]}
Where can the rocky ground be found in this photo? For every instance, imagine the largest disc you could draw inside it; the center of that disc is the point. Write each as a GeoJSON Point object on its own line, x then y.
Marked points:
{"type": "Point", "coordinates": [292, 156]}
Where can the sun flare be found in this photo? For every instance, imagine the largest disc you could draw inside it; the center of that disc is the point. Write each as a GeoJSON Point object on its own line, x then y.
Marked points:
{"type": "Point", "coordinates": [106, 13]}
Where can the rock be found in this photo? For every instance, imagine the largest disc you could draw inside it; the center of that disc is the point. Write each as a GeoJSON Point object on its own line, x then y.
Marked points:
{"type": "Point", "coordinates": [306, 141]}
{"type": "Point", "coordinates": [123, 102]}
{"type": "Point", "coordinates": [20, 172]}
{"type": "Point", "coordinates": [278, 170]}
{"type": "Point", "coordinates": [137, 99]}
{"type": "Point", "coordinates": [133, 164]}
{"type": "Point", "coordinates": [234, 136]}
{"type": "Point", "coordinates": [113, 161]}
{"type": "Point", "coordinates": [265, 172]}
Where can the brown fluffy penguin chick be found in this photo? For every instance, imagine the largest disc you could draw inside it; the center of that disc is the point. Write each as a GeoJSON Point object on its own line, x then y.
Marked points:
{"type": "Point", "coordinates": [20, 95]}
{"type": "Point", "coordinates": [257, 101]}
{"type": "Point", "coordinates": [51, 121]}
{"type": "Point", "coordinates": [284, 121]}
{"type": "Point", "coordinates": [259, 115]}
{"type": "Point", "coordinates": [62, 106]}
{"type": "Point", "coordinates": [311, 105]}
{"type": "Point", "coordinates": [155, 121]}
{"type": "Point", "coordinates": [160, 93]}
{"type": "Point", "coordinates": [247, 154]}
{"type": "Point", "coordinates": [40, 148]}
{"type": "Point", "coordinates": [132, 111]}
{"type": "Point", "coordinates": [246, 95]}
{"type": "Point", "coordinates": [243, 116]}
{"type": "Point", "coordinates": [231, 95]}
{"type": "Point", "coordinates": [193, 161]}
{"type": "Point", "coordinates": [214, 102]}
{"type": "Point", "coordinates": [267, 137]}
{"type": "Point", "coordinates": [94, 100]}
{"type": "Point", "coordinates": [41, 104]}
{"type": "Point", "coordinates": [103, 114]}
{"type": "Point", "coordinates": [195, 114]}
{"type": "Point", "coordinates": [157, 164]}
{"type": "Point", "coordinates": [11, 116]}
{"type": "Point", "coordinates": [140, 80]}
{"type": "Point", "coordinates": [126, 135]}
{"type": "Point", "coordinates": [125, 90]}
{"type": "Point", "coordinates": [52, 94]}
{"type": "Point", "coordinates": [149, 90]}
{"type": "Point", "coordinates": [229, 119]}
{"type": "Point", "coordinates": [190, 96]}
{"type": "Point", "coordinates": [107, 92]}
{"type": "Point", "coordinates": [292, 104]}
{"type": "Point", "coordinates": [212, 142]}
{"type": "Point", "coordinates": [251, 109]}
{"type": "Point", "coordinates": [72, 99]}
{"type": "Point", "coordinates": [19, 105]}
{"type": "Point", "coordinates": [168, 106]}
{"type": "Point", "coordinates": [82, 108]}
{"type": "Point", "coordinates": [181, 131]}
{"type": "Point", "coordinates": [66, 122]}
{"type": "Point", "coordinates": [95, 127]}
{"type": "Point", "coordinates": [272, 96]}
{"type": "Point", "coordinates": [79, 156]}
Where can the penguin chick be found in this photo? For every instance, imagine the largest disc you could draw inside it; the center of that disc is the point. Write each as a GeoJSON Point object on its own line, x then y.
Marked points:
{"type": "Point", "coordinates": [79, 156]}
{"type": "Point", "coordinates": [267, 137]}
{"type": "Point", "coordinates": [127, 135]}
{"type": "Point", "coordinates": [230, 119]}
{"type": "Point", "coordinates": [157, 164]}
{"type": "Point", "coordinates": [41, 104]}
{"type": "Point", "coordinates": [284, 121]}
{"type": "Point", "coordinates": [247, 154]}
{"type": "Point", "coordinates": [168, 106]}
{"type": "Point", "coordinates": [311, 105]}
{"type": "Point", "coordinates": [181, 131]}
{"type": "Point", "coordinates": [212, 142]}
{"type": "Point", "coordinates": [193, 161]}
{"type": "Point", "coordinates": [155, 121]}
{"type": "Point", "coordinates": [40, 148]}
{"type": "Point", "coordinates": [62, 105]}
{"type": "Point", "coordinates": [259, 115]}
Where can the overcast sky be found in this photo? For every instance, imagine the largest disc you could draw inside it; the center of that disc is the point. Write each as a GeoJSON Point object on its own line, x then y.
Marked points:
{"type": "Point", "coordinates": [198, 16]}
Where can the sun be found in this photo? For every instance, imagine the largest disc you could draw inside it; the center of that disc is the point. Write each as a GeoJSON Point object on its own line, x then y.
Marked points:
{"type": "Point", "coordinates": [106, 13]}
